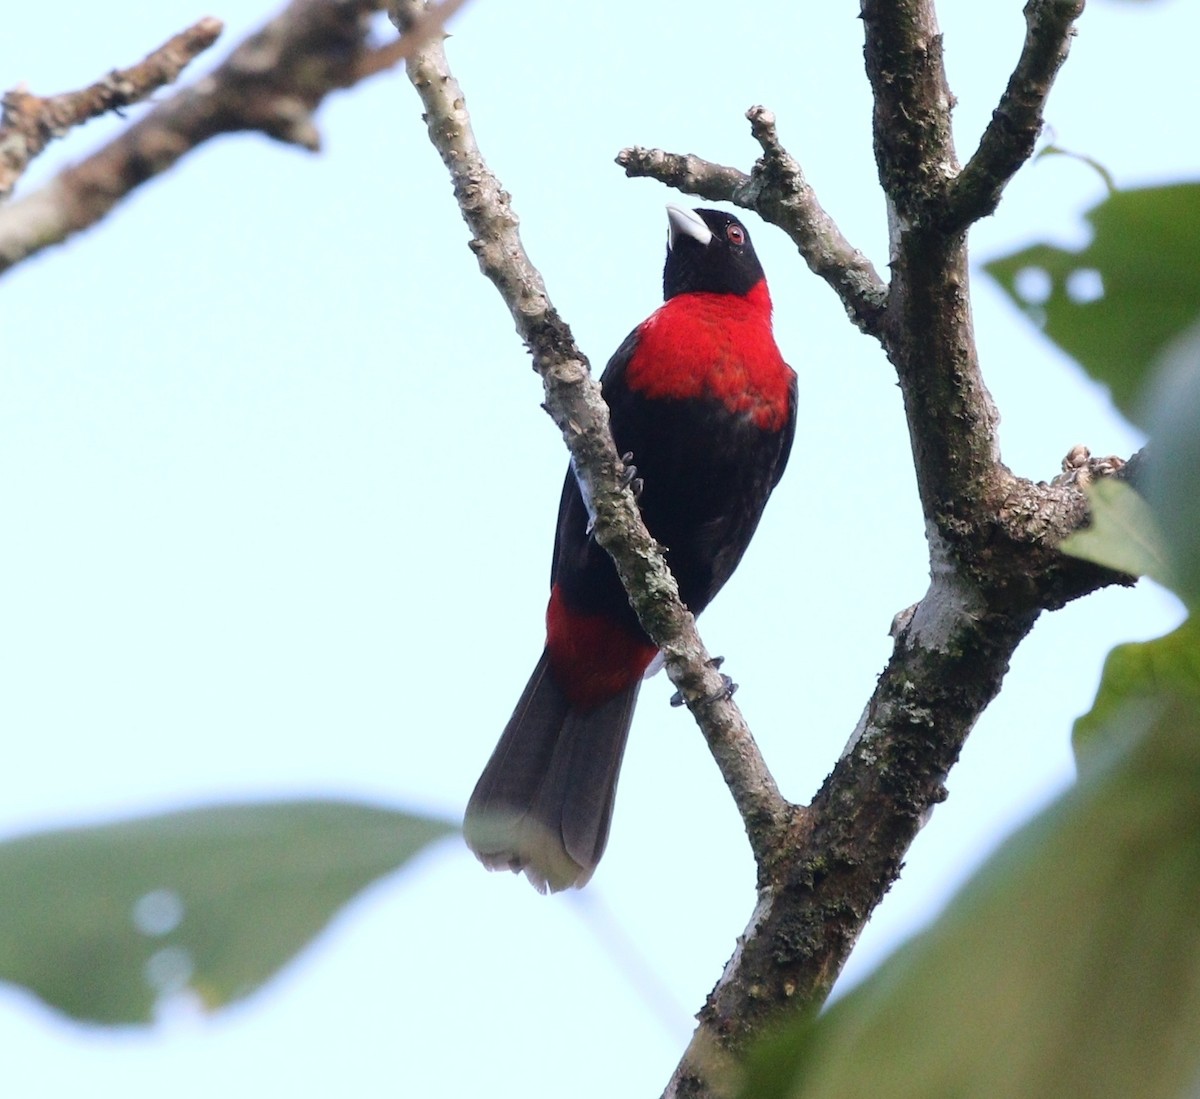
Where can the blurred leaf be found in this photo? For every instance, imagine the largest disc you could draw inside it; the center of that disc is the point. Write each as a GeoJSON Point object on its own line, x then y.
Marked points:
{"type": "Point", "coordinates": [1122, 534]}
{"type": "Point", "coordinates": [1116, 304]}
{"type": "Point", "coordinates": [1172, 487]}
{"type": "Point", "coordinates": [101, 922]}
{"type": "Point", "coordinates": [1070, 966]}
{"type": "Point", "coordinates": [1137, 675]}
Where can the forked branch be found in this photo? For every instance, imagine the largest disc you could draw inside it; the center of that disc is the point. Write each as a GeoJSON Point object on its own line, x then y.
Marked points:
{"type": "Point", "coordinates": [30, 122]}
{"type": "Point", "coordinates": [273, 82]}
{"type": "Point", "coordinates": [777, 191]}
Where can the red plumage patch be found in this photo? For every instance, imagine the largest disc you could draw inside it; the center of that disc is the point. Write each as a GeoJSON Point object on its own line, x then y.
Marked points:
{"type": "Point", "coordinates": [591, 656]}
{"type": "Point", "coordinates": [718, 346]}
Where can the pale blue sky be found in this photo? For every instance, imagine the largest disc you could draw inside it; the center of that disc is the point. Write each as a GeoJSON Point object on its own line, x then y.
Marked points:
{"type": "Point", "coordinates": [279, 504]}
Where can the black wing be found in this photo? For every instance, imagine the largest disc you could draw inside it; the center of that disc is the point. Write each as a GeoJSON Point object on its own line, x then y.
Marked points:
{"type": "Point", "coordinates": [706, 479]}
{"type": "Point", "coordinates": [583, 569]}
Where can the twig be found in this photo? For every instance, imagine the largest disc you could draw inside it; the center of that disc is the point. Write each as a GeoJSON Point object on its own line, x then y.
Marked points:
{"type": "Point", "coordinates": [1010, 137]}
{"type": "Point", "coordinates": [30, 122]}
{"type": "Point", "coordinates": [272, 82]}
{"type": "Point", "coordinates": [786, 198]}
{"type": "Point", "coordinates": [574, 402]}
{"type": "Point", "coordinates": [428, 26]}
{"type": "Point", "coordinates": [778, 192]}
{"type": "Point", "coordinates": [689, 173]}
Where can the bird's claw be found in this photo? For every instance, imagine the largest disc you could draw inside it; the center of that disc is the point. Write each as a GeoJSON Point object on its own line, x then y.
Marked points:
{"type": "Point", "coordinates": [629, 477]}
{"type": "Point", "coordinates": [727, 688]}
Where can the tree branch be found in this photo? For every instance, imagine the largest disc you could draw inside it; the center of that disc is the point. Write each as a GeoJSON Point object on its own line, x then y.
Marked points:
{"type": "Point", "coordinates": [777, 191]}
{"type": "Point", "coordinates": [28, 123]}
{"type": "Point", "coordinates": [993, 560]}
{"type": "Point", "coordinates": [929, 337]}
{"type": "Point", "coordinates": [850, 847]}
{"type": "Point", "coordinates": [1011, 135]}
{"type": "Point", "coordinates": [273, 82]}
{"type": "Point", "coordinates": [574, 402]}
{"type": "Point", "coordinates": [843, 854]}
{"type": "Point", "coordinates": [994, 568]}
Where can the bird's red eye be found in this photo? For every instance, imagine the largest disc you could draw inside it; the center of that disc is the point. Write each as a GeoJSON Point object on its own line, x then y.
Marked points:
{"type": "Point", "coordinates": [735, 234]}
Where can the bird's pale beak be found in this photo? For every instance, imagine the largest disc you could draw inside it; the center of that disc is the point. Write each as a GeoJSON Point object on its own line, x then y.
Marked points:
{"type": "Point", "coordinates": [686, 223]}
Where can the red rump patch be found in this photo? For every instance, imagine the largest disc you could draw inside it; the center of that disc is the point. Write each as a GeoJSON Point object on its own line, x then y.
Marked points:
{"type": "Point", "coordinates": [592, 657]}
{"type": "Point", "coordinates": [715, 345]}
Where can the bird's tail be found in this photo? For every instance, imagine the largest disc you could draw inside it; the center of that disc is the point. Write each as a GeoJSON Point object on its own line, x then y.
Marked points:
{"type": "Point", "coordinates": [544, 801]}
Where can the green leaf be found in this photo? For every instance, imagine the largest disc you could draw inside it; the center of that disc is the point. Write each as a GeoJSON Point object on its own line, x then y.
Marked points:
{"type": "Point", "coordinates": [1116, 304]}
{"type": "Point", "coordinates": [1135, 676]}
{"type": "Point", "coordinates": [1070, 966]}
{"type": "Point", "coordinates": [102, 922]}
{"type": "Point", "coordinates": [1123, 534]}
{"type": "Point", "coordinates": [1172, 483]}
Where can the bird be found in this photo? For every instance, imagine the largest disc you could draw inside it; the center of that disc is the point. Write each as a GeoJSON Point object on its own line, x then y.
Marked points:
{"type": "Point", "coordinates": [702, 403]}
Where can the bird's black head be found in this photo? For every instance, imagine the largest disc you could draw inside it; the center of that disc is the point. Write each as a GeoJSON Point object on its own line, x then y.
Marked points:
{"type": "Point", "coordinates": [710, 251]}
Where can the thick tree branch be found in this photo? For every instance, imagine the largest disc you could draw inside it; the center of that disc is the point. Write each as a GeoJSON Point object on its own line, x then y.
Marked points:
{"type": "Point", "coordinates": [994, 564]}
{"type": "Point", "coordinates": [1011, 135]}
{"type": "Point", "coordinates": [914, 146]}
{"type": "Point", "coordinates": [951, 653]}
{"type": "Point", "coordinates": [273, 82]}
{"type": "Point", "coordinates": [777, 191]}
{"type": "Point", "coordinates": [29, 123]}
{"type": "Point", "coordinates": [850, 846]}
{"type": "Point", "coordinates": [929, 336]}
{"type": "Point", "coordinates": [574, 402]}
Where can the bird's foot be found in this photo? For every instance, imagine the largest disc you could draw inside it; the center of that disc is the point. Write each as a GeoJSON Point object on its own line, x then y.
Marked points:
{"type": "Point", "coordinates": [629, 477]}
{"type": "Point", "coordinates": [727, 688]}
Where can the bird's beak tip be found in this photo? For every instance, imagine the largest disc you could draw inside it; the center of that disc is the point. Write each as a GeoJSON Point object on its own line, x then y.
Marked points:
{"type": "Point", "coordinates": [686, 223]}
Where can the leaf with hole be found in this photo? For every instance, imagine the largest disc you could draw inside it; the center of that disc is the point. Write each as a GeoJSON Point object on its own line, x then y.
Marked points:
{"type": "Point", "coordinates": [104, 922]}
{"type": "Point", "coordinates": [1116, 304]}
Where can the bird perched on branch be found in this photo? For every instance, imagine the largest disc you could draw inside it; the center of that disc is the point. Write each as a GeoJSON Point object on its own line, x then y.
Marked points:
{"type": "Point", "coordinates": [701, 397]}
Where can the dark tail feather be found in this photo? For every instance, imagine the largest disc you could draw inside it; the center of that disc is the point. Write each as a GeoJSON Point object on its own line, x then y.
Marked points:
{"type": "Point", "coordinates": [544, 801]}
